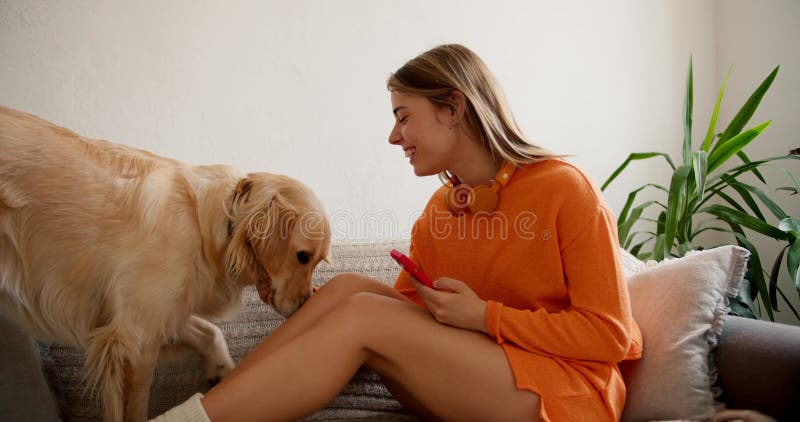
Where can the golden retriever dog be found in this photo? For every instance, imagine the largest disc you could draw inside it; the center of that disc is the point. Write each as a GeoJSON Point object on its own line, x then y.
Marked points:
{"type": "Point", "coordinates": [118, 251]}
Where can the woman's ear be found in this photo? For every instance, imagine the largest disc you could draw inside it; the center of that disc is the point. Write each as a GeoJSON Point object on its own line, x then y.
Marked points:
{"type": "Point", "coordinates": [459, 105]}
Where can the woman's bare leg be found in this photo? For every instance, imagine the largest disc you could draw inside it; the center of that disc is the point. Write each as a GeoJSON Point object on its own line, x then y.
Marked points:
{"type": "Point", "coordinates": [330, 295]}
{"type": "Point", "coordinates": [454, 374]}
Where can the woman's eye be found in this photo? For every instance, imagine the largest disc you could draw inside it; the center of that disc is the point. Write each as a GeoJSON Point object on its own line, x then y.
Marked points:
{"type": "Point", "coordinates": [403, 120]}
{"type": "Point", "coordinates": [303, 257]}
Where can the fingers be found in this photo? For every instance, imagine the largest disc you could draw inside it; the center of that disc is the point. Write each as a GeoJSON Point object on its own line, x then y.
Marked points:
{"type": "Point", "coordinates": [453, 304]}
{"type": "Point", "coordinates": [447, 283]}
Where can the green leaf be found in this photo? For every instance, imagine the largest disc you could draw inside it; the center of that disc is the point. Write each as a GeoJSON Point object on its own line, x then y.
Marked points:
{"type": "Point", "coordinates": [790, 225]}
{"type": "Point", "coordinates": [742, 304]}
{"type": "Point", "coordinates": [788, 303]}
{"type": "Point", "coordinates": [794, 181]}
{"type": "Point", "coordinates": [707, 222]}
{"type": "Point", "coordinates": [632, 236]}
{"type": "Point", "coordinates": [633, 157]}
{"type": "Point", "coordinates": [685, 247]}
{"type": "Point", "coordinates": [757, 273]}
{"type": "Point", "coordinates": [746, 112]}
{"type": "Point", "coordinates": [748, 199]}
{"type": "Point", "coordinates": [637, 247]}
{"type": "Point", "coordinates": [792, 263]}
{"type": "Point", "coordinates": [658, 248]}
{"type": "Point", "coordinates": [739, 308]}
{"type": "Point", "coordinates": [720, 180]}
{"type": "Point", "coordinates": [731, 215]}
{"type": "Point", "coordinates": [683, 234]}
{"type": "Point", "coordinates": [675, 204]}
{"type": "Point", "coordinates": [721, 154]}
{"type": "Point", "coordinates": [773, 279]}
{"type": "Point", "coordinates": [712, 125]}
{"type": "Point", "coordinates": [700, 166]}
{"type": "Point", "coordinates": [660, 222]}
{"type": "Point", "coordinates": [716, 229]}
{"type": "Point", "coordinates": [623, 215]}
{"type": "Point", "coordinates": [727, 199]}
{"type": "Point", "coordinates": [627, 225]}
{"type": "Point", "coordinates": [766, 200]}
{"type": "Point", "coordinates": [755, 171]}
{"type": "Point", "coordinates": [688, 101]}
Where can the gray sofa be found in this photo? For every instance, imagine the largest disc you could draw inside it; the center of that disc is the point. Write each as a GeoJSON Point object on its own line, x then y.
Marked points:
{"type": "Point", "coordinates": [758, 362]}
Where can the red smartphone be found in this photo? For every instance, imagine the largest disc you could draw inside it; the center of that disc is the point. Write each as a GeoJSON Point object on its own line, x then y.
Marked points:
{"type": "Point", "coordinates": [412, 268]}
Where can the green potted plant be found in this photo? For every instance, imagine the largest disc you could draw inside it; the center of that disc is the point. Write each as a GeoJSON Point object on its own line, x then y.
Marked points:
{"type": "Point", "coordinates": [706, 193]}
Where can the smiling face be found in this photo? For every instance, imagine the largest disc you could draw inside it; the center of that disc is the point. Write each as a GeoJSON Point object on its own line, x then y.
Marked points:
{"type": "Point", "coordinates": [424, 131]}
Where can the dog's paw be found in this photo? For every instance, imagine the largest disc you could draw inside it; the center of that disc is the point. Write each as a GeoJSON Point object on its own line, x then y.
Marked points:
{"type": "Point", "coordinates": [218, 368]}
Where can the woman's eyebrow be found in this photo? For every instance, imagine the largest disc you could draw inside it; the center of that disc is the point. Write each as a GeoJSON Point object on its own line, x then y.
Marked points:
{"type": "Point", "coordinates": [396, 109]}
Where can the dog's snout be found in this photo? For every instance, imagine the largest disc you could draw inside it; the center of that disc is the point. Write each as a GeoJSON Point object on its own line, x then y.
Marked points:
{"type": "Point", "coordinates": [289, 307]}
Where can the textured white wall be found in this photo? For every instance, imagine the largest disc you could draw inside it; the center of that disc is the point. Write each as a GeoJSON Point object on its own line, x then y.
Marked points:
{"type": "Point", "coordinates": [298, 87]}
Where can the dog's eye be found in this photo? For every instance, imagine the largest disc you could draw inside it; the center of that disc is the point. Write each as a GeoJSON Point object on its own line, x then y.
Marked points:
{"type": "Point", "coordinates": [303, 257]}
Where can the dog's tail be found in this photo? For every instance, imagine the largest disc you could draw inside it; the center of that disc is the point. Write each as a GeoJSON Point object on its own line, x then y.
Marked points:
{"type": "Point", "coordinates": [109, 358]}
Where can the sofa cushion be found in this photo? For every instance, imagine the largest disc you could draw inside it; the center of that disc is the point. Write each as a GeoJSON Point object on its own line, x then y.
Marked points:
{"type": "Point", "coordinates": [680, 305]}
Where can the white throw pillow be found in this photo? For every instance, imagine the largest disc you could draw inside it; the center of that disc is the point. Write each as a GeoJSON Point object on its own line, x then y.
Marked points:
{"type": "Point", "coordinates": [680, 305]}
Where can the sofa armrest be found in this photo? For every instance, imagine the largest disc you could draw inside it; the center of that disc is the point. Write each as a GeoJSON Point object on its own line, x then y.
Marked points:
{"type": "Point", "coordinates": [759, 366]}
{"type": "Point", "coordinates": [24, 393]}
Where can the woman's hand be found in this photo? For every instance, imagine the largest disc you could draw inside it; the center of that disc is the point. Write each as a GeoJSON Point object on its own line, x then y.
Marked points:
{"type": "Point", "coordinates": [454, 303]}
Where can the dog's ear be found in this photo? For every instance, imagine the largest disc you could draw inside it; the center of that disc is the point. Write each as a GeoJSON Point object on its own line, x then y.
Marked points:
{"type": "Point", "coordinates": [264, 232]}
{"type": "Point", "coordinates": [271, 227]}
{"type": "Point", "coordinates": [239, 254]}
{"type": "Point", "coordinates": [242, 191]}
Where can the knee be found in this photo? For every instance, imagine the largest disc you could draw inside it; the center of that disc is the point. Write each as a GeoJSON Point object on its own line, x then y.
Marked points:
{"type": "Point", "coordinates": [359, 309]}
{"type": "Point", "coordinates": [344, 284]}
{"type": "Point", "coordinates": [359, 303]}
{"type": "Point", "coordinates": [343, 278]}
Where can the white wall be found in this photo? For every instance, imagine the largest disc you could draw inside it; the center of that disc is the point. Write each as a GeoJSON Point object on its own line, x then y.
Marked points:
{"type": "Point", "coordinates": [753, 38]}
{"type": "Point", "coordinates": [299, 87]}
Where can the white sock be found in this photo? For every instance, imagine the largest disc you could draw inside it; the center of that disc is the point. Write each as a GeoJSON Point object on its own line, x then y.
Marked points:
{"type": "Point", "coordinates": [189, 411]}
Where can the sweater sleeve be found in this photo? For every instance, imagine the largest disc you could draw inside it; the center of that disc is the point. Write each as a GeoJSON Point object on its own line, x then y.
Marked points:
{"type": "Point", "coordinates": [597, 325]}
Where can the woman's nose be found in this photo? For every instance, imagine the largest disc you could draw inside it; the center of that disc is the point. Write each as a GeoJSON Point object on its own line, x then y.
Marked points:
{"type": "Point", "coordinates": [394, 136]}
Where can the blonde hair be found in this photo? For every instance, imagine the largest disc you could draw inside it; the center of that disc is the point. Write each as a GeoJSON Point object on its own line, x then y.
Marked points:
{"type": "Point", "coordinates": [436, 73]}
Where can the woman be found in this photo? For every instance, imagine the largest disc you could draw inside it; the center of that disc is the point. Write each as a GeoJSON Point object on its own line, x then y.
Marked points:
{"type": "Point", "coordinates": [530, 312]}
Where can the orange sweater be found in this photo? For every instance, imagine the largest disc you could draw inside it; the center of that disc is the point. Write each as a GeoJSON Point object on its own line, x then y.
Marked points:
{"type": "Point", "coordinates": [547, 262]}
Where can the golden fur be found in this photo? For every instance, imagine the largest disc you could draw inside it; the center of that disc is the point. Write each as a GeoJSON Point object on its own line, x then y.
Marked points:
{"type": "Point", "coordinates": [117, 250]}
